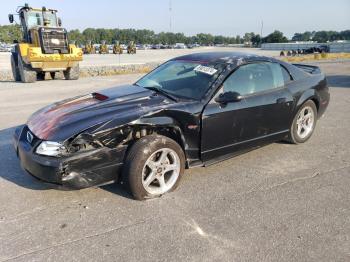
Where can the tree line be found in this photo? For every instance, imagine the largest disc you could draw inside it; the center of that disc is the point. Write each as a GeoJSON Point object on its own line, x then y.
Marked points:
{"type": "Point", "coordinates": [9, 33]}
{"type": "Point", "coordinates": [322, 36]}
{"type": "Point", "coordinates": [145, 36]}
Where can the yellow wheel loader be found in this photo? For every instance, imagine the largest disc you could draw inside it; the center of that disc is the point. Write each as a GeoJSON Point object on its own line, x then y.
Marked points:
{"type": "Point", "coordinates": [44, 47]}
{"type": "Point", "coordinates": [117, 49]}
{"type": "Point", "coordinates": [131, 48]}
{"type": "Point", "coordinates": [89, 48]}
{"type": "Point", "coordinates": [103, 48]}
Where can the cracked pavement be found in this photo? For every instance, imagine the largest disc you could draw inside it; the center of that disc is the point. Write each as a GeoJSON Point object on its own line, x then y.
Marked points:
{"type": "Point", "coordinates": [281, 202]}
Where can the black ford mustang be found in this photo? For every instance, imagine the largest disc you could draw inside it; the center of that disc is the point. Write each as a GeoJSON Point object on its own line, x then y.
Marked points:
{"type": "Point", "coordinates": [193, 110]}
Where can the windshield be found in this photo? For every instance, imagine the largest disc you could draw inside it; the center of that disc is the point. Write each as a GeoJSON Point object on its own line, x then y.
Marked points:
{"type": "Point", "coordinates": [35, 18]}
{"type": "Point", "coordinates": [181, 79]}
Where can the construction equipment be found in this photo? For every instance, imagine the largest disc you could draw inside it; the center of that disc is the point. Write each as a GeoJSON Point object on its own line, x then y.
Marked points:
{"type": "Point", "coordinates": [117, 49]}
{"type": "Point", "coordinates": [131, 48]}
{"type": "Point", "coordinates": [103, 48]}
{"type": "Point", "coordinates": [89, 48]}
{"type": "Point", "coordinates": [44, 47]}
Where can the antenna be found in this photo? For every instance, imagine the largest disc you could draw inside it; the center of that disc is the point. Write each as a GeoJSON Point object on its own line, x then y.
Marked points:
{"type": "Point", "coordinates": [170, 13]}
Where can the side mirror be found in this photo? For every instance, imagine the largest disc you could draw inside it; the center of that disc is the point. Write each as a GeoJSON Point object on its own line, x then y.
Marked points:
{"type": "Point", "coordinates": [59, 21]}
{"type": "Point", "coordinates": [11, 18]}
{"type": "Point", "coordinates": [228, 97]}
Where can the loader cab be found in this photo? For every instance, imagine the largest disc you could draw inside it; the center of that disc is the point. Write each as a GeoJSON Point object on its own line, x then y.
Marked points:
{"type": "Point", "coordinates": [42, 28]}
{"type": "Point", "coordinates": [33, 19]}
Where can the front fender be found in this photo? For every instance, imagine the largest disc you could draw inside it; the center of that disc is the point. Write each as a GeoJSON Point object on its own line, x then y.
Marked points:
{"type": "Point", "coordinates": [163, 122]}
{"type": "Point", "coordinates": [156, 121]}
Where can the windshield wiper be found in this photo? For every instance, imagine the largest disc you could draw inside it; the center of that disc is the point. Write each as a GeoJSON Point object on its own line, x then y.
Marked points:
{"type": "Point", "coordinates": [163, 92]}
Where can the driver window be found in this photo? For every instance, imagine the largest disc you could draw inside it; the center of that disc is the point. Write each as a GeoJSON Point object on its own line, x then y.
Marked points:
{"type": "Point", "coordinates": [253, 78]}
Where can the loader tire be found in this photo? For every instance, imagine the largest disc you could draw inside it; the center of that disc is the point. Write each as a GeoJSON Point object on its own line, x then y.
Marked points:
{"type": "Point", "coordinates": [26, 73]}
{"type": "Point", "coordinates": [15, 70]}
{"type": "Point", "coordinates": [40, 76]}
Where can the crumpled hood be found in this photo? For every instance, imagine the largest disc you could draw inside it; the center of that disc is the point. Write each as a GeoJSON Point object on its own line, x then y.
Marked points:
{"type": "Point", "coordinates": [61, 120]}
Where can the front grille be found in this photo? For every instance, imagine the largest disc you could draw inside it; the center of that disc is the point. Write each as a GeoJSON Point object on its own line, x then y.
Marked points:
{"type": "Point", "coordinates": [53, 40]}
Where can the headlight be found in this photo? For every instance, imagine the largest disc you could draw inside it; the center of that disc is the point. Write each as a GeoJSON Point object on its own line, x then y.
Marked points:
{"type": "Point", "coordinates": [49, 148]}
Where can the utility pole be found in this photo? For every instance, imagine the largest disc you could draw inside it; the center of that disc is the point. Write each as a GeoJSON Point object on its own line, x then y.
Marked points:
{"type": "Point", "coordinates": [170, 13]}
{"type": "Point", "coordinates": [261, 32]}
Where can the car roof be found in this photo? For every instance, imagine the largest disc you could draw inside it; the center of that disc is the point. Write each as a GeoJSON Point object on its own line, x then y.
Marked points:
{"type": "Point", "coordinates": [220, 57]}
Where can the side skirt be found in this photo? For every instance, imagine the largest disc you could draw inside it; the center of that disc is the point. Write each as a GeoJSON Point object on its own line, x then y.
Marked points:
{"type": "Point", "coordinates": [242, 147]}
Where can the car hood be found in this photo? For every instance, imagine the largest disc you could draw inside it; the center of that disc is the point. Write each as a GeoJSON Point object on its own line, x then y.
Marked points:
{"type": "Point", "coordinates": [62, 120]}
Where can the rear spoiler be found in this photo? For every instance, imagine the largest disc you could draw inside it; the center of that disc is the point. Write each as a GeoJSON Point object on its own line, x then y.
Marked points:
{"type": "Point", "coordinates": [309, 68]}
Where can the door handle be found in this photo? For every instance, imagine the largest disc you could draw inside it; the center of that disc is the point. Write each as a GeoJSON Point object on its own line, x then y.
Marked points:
{"type": "Point", "coordinates": [281, 100]}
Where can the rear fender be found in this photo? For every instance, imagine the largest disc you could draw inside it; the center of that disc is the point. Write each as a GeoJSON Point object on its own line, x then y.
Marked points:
{"type": "Point", "coordinates": [310, 94]}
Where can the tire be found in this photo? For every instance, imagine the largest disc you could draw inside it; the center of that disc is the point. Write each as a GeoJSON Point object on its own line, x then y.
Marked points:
{"type": "Point", "coordinates": [40, 76]}
{"type": "Point", "coordinates": [26, 73]}
{"type": "Point", "coordinates": [53, 74]}
{"type": "Point", "coordinates": [72, 73]}
{"type": "Point", "coordinates": [15, 70]}
{"type": "Point", "coordinates": [153, 149]}
{"type": "Point", "coordinates": [296, 135]}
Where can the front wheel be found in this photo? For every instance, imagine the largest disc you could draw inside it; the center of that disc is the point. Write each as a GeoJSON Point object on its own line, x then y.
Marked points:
{"type": "Point", "coordinates": [154, 166]}
{"type": "Point", "coordinates": [25, 71]}
{"type": "Point", "coordinates": [15, 70]}
{"type": "Point", "coordinates": [304, 123]}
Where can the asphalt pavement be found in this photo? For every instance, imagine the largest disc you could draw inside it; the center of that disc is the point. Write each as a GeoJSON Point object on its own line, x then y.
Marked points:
{"type": "Point", "coordinates": [281, 202]}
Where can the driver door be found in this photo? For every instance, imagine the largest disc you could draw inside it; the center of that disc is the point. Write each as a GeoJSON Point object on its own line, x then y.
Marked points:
{"type": "Point", "coordinates": [263, 114]}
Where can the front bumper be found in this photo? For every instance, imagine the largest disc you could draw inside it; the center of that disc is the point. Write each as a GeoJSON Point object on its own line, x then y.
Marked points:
{"type": "Point", "coordinates": [81, 170]}
{"type": "Point", "coordinates": [53, 66]}
{"type": "Point", "coordinates": [53, 62]}
{"type": "Point", "coordinates": [34, 54]}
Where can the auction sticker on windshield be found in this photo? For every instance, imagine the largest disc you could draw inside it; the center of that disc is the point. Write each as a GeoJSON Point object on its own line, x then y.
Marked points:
{"type": "Point", "coordinates": [205, 69]}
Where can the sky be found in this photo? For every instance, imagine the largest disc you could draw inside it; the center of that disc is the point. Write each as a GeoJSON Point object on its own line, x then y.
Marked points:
{"type": "Point", "coordinates": [219, 17]}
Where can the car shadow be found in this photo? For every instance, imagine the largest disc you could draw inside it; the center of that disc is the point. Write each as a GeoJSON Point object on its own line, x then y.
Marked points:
{"type": "Point", "coordinates": [340, 81]}
{"type": "Point", "coordinates": [11, 170]}
{"type": "Point", "coordinates": [118, 189]}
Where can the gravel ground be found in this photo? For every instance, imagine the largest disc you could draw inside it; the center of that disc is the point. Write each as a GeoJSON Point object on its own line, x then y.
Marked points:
{"type": "Point", "coordinates": [278, 203]}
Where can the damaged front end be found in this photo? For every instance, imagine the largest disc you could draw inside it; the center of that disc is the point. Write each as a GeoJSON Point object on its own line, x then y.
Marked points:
{"type": "Point", "coordinates": [82, 162]}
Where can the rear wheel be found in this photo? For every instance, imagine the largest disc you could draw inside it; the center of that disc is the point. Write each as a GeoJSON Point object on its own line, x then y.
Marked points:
{"type": "Point", "coordinates": [26, 73]}
{"type": "Point", "coordinates": [72, 73]}
{"type": "Point", "coordinates": [15, 70]}
{"type": "Point", "coordinates": [40, 76]}
{"type": "Point", "coordinates": [52, 74]}
{"type": "Point", "coordinates": [304, 123]}
{"type": "Point", "coordinates": [154, 166]}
